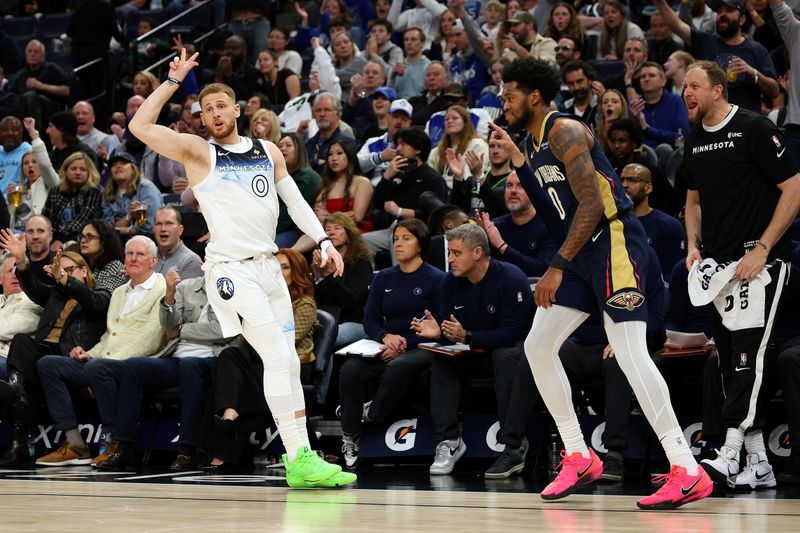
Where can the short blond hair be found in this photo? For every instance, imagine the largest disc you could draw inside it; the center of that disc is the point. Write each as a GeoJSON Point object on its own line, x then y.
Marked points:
{"type": "Point", "coordinates": [213, 88]}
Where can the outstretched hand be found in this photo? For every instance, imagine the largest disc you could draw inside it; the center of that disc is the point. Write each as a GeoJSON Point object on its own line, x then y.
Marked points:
{"type": "Point", "coordinates": [179, 67]}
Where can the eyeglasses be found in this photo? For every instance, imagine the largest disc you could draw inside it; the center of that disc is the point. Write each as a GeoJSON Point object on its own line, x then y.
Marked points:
{"type": "Point", "coordinates": [88, 237]}
{"type": "Point", "coordinates": [565, 48]}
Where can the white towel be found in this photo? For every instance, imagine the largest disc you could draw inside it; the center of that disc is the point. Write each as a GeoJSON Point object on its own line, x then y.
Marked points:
{"type": "Point", "coordinates": [740, 303]}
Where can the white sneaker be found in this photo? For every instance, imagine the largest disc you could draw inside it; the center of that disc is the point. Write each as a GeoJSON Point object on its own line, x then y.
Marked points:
{"type": "Point", "coordinates": [724, 468]}
{"type": "Point", "coordinates": [756, 474]}
{"type": "Point", "coordinates": [447, 454]}
{"type": "Point", "coordinates": [350, 452]}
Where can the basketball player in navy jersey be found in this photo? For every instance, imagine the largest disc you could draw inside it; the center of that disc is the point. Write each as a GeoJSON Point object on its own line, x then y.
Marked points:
{"type": "Point", "coordinates": [599, 268]}
{"type": "Point", "coordinates": [237, 181]}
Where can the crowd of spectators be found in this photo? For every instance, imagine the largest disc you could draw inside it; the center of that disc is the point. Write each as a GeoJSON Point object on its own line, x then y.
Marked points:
{"type": "Point", "coordinates": [381, 110]}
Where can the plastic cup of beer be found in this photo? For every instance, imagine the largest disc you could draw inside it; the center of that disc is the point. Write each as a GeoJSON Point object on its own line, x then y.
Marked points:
{"type": "Point", "coordinates": [140, 214]}
{"type": "Point", "coordinates": [15, 197]}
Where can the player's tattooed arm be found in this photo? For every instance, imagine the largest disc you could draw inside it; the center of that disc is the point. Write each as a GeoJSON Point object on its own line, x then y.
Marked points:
{"type": "Point", "coordinates": [569, 142]}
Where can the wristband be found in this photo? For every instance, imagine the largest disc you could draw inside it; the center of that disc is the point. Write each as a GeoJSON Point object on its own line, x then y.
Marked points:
{"type": "Point", "coordinates": [755, 77]}
{"type": "Point", "coordinates": [174, 81]}
{"type": "Point", "coordinates": [319, 243]}
{"type": "Point", "coordinates": [500, 248]}
{"type": "Point", "coordinates": [761, 244]}
{"type": "Point", "coordinates": [559, 262]}
{"type": "Point", "coordinates": [399, 213]}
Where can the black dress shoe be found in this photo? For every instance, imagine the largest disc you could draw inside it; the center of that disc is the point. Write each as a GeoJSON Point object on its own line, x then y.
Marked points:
{"type": "Point", "coordinates": [183, 462]}
{"type": "Point", "coordinates": [10, 390]}
{"type": "Point", "coordinates": [15, 455]}
{"type": "Point", "coordinates": [225, 425]}
{"type": "Point", "coordinates": [120, 459]}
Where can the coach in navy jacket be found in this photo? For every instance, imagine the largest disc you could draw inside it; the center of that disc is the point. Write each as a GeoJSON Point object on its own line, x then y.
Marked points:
{"type": "Point", "coordinates": [486, 304]}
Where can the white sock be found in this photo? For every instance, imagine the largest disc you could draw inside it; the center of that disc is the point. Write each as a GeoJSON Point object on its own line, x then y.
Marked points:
{"type": "Point", "coordinates": [734, 439]}
{"type": "Point", "coordinates": [550, 329]}
{"type": "Point", "coordinates": [754, 443]}
{"type": "Point", "coordinates": [302, 430]}
{"type": "Point", "coordinates": [677, 451]}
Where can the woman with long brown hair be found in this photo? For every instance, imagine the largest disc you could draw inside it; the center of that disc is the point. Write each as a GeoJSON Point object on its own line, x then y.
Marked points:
{"type": "Point", "coordinates": [343, 188]}
{"type": "Point", "coordinates": [297, 275]}
{"type": "Point", "coordinates": [125, 193]}
{"type": "Point", "coordinates": [345, 296]}
{"type": "Point", "coordinates": [563, 22]}
{"type": "Point", "coordinates": [616, 30]}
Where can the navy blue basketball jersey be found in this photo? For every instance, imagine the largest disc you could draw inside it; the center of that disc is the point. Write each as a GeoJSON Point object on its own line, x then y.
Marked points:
{"type": "Point", "coordinates": [558, 204]}
{"type": "Point", "coordinates": [609, 266]}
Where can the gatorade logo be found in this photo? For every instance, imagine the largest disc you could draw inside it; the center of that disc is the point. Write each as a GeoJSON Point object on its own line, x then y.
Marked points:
{"type": "Point", "coordinates": [492, 438]}
{"type": "Point", "coordinates": [779, 442]}
{"type": "Point", "coordinates": [401, 436]}
{"type": "Point", "coordinates": [597, 438]}
{"type": "Point", "coordinates": [694, 436]}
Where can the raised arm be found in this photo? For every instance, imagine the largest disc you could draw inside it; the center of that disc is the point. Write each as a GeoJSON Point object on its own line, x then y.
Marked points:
{"type": "Point", "coordinates": [188, 149]}
{"type": "Point", "coordinates": [671, 19]}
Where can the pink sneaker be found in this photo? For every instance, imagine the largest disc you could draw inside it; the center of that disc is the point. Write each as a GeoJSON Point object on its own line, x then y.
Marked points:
{"type": "Point", "coordinates": [679, 488]}
{"type": "Point", "coordinates": [576, 471]}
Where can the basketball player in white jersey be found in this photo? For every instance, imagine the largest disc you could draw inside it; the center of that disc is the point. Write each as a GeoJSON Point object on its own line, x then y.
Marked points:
{"type": "Point", "coordinates": [237, 181]}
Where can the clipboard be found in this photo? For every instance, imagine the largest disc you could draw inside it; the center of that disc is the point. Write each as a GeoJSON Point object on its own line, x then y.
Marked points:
{"type": "Point", "coordinates": [366, 348]}
{"type": "Point", "coordinates": [453, 350]}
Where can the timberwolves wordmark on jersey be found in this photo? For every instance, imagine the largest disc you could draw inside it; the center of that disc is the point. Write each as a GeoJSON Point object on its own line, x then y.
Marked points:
{"type": "Point", "coordinates": [239, 201]}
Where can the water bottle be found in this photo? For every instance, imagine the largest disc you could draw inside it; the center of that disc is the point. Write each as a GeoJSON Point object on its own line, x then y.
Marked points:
{"type": "Point", "coordinates": [103, 442]}
{"type": "Point", "coordinates": [679, 139]}
{"type": "Point", "coordinates": [31, 445]}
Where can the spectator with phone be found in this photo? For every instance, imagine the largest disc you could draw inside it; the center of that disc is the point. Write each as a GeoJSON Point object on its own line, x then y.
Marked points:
{"type": "Point", "coordinates": [406, 185]}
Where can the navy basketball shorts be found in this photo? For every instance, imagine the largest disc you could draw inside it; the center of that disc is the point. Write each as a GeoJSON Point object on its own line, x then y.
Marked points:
{"type": "Point", "coordinates": [609, 273]}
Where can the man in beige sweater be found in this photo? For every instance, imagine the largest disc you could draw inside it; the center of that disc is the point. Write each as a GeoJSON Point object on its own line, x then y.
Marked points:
{"type": "Point", "coordinates": [132, 329]}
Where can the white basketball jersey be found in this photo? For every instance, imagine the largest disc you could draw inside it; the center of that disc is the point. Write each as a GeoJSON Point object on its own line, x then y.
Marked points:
{"type": "Point", "coordinates": [239, 201]}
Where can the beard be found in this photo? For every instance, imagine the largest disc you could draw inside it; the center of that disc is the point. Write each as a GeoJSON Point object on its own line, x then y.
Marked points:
{"type": "Point", "coordinates": [226, 130]}
{"type": "Point", "coordinates": [728, 31]}
{"type": "Point", "coordinates": [521, 123]}
{"type": "Point", "coordinates": [580, 94]}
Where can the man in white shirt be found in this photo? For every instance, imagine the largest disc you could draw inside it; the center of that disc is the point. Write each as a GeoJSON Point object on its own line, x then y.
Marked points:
{"type": "Point", "coordinates": [18, 314]}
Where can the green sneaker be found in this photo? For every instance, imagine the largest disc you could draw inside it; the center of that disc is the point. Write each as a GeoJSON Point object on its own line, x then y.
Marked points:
{"type": "Point", "coordinates": [309, 470]}
{"type": "Point", "coordinates": [339, 480]}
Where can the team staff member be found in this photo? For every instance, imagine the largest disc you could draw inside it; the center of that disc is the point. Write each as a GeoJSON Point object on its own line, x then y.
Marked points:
{"type": "Point", "coordinates": [743, 193]}
{"type": "Point", "coordinates": [485, 304]}
{"type": "Point", "coordinates": [600, 267]}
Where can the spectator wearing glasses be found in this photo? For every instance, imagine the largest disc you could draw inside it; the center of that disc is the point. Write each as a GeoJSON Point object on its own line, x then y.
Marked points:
{"type": "Point", "coordinates": [74, 314]}
{"type": "Point", "coordinates": [665, 233]}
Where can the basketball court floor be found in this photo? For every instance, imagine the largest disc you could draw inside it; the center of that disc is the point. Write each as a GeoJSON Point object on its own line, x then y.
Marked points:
{"type": "Point", "coordinates": [386, 499]}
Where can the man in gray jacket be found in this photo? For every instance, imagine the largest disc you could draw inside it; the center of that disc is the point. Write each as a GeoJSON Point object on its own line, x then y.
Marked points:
{"type": "Point", "coordinates": [195, 339]}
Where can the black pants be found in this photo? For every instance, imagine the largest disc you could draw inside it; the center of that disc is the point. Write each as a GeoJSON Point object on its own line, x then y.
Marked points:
{"type": "Point", "coordinates": [447, 374]}
{"type": "Point", "coordinates": [359, 377]}
{"type": "Point", "coordinates": [788, 365]}
{"type": "Point", "coordinates": [742, 360]}
{"type": "Point", "coordinates": [23, 354]}
{"type": "Point", "coordinates": [517, 395]}
{"type": "Point", "coordinates": [584, 363]}
{"type": "Point", "coordinates": [238, 383]}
